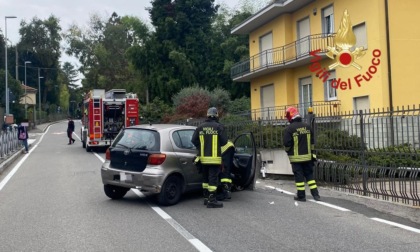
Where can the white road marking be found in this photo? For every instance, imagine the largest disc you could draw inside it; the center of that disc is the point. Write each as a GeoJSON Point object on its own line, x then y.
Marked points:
{"type": "Point", "coordinates": [318, 202]}
{"type": "Point", "coordinates": [285, 192]}
{"type": "Point", "coordinates": [331, 205]}
{"type": "Point", "coordinates": [99, 157]}
{"type": "Point", "coordinates": [18, 165]}
{"type": "Point", "coordinates": [347, 210]}
{"type": "Point", "coordinates": [180, 229]}
{"type": "Point", "coordinates": [397, 225]}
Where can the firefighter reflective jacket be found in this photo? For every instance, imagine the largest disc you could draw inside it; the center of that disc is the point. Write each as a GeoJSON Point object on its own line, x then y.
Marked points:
{"type": "Point", "coordinates": [227, 146]}
{"type": "Point", "coordinates": [209, 138]}
{"type": "Point", "coordinates": [298, 141]}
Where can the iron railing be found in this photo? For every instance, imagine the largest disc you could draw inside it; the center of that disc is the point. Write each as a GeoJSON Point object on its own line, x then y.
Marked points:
{"type": "Point", "coordinates": [9, 142]}
{"type": "Point", "coordinates": [330, 108]}
{"type": "Point", "coordinates": [281, 56]}
{"type": "Point", "coordinates": [374, 153]}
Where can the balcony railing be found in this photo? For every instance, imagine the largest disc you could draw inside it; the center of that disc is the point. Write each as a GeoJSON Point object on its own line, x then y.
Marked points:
{"type": "Point", "coordinates": [281, 56]}
{"type": "Point", "coordinates": [320, 108]}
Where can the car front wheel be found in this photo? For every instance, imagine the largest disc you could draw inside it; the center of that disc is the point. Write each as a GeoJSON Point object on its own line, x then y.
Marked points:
{"type": "Point", "coordinates": [115, 192]}
{"type": "Point", "coordinates": [171, 191]}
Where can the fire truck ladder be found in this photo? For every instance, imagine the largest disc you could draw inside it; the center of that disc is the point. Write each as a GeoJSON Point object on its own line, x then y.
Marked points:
{"type": "Point", "coordinates": [97, 119]}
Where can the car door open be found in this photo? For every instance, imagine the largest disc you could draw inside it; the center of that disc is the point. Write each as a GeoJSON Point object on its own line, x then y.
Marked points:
{"type": "Point", "coordinates": [244, 161]}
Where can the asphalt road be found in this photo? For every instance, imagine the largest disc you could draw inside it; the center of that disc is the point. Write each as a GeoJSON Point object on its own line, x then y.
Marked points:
{"type": "Point", "coordinates": [52, 199]}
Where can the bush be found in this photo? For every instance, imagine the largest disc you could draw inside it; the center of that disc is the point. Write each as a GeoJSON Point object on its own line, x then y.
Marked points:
{"type": "Point", "coordinates": [154, 112]}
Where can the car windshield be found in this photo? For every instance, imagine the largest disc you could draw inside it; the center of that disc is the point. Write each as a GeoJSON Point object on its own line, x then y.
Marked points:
{"type": "Point", "coordinates": [141, 139]}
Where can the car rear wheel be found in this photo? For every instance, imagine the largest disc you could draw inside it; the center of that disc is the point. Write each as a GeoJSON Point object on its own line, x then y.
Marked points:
{"type": "Point", "coordinates": [115, 192]}
{"type": "Point", "coordinates": [171, 191]}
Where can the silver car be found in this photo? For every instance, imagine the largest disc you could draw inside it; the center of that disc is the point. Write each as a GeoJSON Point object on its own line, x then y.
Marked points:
{"type": "Point", "coordinates": [159, 159]}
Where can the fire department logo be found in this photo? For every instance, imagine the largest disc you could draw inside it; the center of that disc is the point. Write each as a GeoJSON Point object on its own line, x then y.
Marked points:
{"type": "Point", "coordinates": [344, 41]}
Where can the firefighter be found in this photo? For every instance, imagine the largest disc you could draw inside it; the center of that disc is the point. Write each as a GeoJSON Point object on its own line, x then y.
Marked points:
{"type": "Point", "coordinates": [208, 138]}
{"type": "Point", "coordinates": [299, 143]}
{"type": "Point", "coordinates": [228, 150]}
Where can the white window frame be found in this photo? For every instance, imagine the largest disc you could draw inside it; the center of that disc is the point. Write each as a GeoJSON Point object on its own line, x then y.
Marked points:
{"type": "Point", "coordinates": [331, 93]}
{"type": "Point", "coordinates": [266, 54]}
{"type": "Point", "coordinates": [328, 20]}
{"type": "Point", "coordinates": [305, 102]}
{"type": "Point", "coordinates": [359, 31]}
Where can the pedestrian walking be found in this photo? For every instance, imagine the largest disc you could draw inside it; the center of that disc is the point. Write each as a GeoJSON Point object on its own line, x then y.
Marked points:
{"type": "Point", "coordinates": [208, 138]}
{"type": "Point", "coordinates": [22, 132]}
{"type": "Point", "coordinates": [70, 130]}
{"type": "Point", "coordinates": [228, 150]}
{"type": "Point", "coordinates": [299, 144]}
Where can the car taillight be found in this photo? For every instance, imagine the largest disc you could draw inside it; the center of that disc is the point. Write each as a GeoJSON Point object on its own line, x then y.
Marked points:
{"type": "Point", "coordinates": [156, 159]}
{"type": "Point", "coordinates": [107, 154]}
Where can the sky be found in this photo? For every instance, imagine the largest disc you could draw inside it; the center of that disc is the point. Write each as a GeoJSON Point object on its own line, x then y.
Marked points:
{"type": "Point", "coordinates": [73, 12]}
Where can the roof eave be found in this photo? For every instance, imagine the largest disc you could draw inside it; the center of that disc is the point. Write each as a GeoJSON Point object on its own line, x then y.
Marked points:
{"type": "Point", "coordinates": [267, 14]}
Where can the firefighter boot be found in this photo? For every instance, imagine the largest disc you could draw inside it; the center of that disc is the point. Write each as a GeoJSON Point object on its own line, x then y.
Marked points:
{"type": "Point", "coordinates": [220, 196]}
{"type": "Point", "coordinates": [227, 190]}
{"type": "Point", "coordinates": [213, 203]}
{"type": "Point", "coordinates": [300, 196]}
{"type": "Point", "coordinates": [206, 196]}
{"type": "Point", "coordinates": [315, 194]}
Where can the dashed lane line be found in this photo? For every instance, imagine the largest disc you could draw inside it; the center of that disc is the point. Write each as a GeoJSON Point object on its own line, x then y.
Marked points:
{"type": "Point", "coordinates": [200, 246]}
{"type": "Point", "coordinates": [180, 229]}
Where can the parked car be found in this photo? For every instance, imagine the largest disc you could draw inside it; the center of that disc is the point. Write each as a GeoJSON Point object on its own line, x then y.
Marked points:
{"type": "Point", "coordinates": [159, 159]}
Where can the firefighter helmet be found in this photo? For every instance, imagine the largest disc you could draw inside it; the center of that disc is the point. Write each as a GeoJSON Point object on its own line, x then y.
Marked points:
{"type": "Point", "coordinates": [212, 113]}
{"type": "Point", "coordinates": [292, 113]}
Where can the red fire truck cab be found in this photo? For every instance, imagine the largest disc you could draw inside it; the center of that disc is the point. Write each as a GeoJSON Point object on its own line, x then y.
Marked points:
{"type": "Point", "coordinates": [105, 114]}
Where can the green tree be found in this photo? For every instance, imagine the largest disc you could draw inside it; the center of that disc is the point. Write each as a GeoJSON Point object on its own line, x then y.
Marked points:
{"type": "Point", "coordinates": [102, 51]}
{"type": "Point", "coordinates": [14, 95]}
{"type": "Point", "coordinates": [40, 44]}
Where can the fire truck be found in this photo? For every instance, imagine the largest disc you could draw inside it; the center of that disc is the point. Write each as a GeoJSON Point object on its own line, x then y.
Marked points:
{"type": "Point", "coordinates": [105, 114]}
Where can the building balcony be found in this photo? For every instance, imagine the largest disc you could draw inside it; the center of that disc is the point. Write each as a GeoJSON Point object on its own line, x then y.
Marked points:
{"type": "Point", "coordinates": [288, 56]}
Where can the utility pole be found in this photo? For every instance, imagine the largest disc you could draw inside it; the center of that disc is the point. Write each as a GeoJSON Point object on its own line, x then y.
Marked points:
{"type": "Point", "coordinates": [17, 63]}
{"type": "Point", "coordinates": [5, 64]}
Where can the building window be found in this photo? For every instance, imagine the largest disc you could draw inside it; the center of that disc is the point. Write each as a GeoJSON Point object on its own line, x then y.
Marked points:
{"type": "Point", "coordinates": [330, 93]}
{"type": "Point", "coordinates": [361, 37]}
{"type": "Point", "coordinates": [305, 94]}
{"type": "Point", "coordinates": [328, 20]}
{"type": "Point", "coordinates": [266, 50]}
{"type": "Point", "coordinates": [361, 103]}
{"type": "Point", "coordinates": [267, 101]}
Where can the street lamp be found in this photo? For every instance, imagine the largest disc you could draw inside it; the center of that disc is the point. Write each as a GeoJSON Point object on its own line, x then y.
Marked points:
{"type": "Point", "coordinates": [26, 105]}
{"type": "Point", "coordinates": [5, 47]}
{"type": "Point", "coordinates": [39, 94]}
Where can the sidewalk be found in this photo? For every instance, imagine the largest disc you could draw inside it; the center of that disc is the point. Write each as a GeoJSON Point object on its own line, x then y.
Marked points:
{"type": "Point", "coordinates": [5, 162]}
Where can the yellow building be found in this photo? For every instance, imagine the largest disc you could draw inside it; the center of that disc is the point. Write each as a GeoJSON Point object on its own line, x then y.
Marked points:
{"type": "Point", "coordinates": [333, 55]}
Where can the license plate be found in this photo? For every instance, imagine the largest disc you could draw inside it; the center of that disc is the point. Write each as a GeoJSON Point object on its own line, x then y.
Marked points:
{"type": "Point", "coordinates": [126, 177]}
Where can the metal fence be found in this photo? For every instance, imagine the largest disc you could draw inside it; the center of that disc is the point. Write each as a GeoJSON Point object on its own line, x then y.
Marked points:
{"type": "Point", "coordinates": [9, 142]}
{"type": "Point", "coordinates": [372, 153]}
